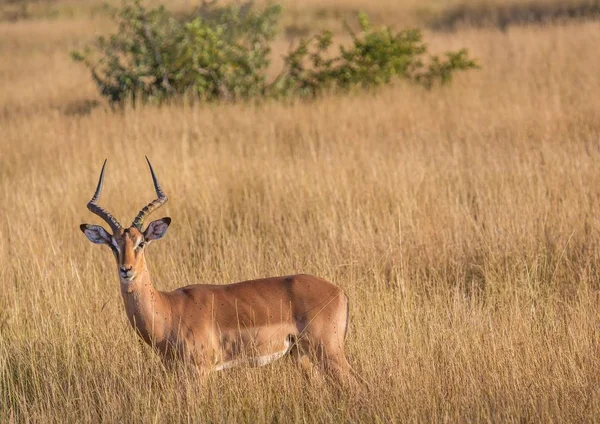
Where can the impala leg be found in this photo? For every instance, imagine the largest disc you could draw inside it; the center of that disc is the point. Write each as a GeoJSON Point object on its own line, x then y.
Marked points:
{"type": "Point", "coordinates": [340, 371]}
{"type": "Point", "coordinates": [335, 365]}
{"type": "Point", "coordinates": [318, 362]}
{"type": "Point", "coordinates": [185, 365]}
{"type": "Point", "coordinates": [300, 354]}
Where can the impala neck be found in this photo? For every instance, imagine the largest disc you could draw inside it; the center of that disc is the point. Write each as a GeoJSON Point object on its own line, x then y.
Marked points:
{"type": "Point", "coordinates": [145, 306]}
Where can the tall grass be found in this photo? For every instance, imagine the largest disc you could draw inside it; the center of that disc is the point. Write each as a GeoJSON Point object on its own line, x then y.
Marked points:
{"type": "Point", "coordinates": [462, 223]}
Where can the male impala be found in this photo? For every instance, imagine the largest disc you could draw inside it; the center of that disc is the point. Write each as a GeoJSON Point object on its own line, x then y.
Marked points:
{"type": "Point", "coordinates": [220, 326]}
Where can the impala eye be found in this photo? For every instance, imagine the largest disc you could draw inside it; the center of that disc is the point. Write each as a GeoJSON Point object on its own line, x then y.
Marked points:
{"type": "Point", "coordinates": [141, 245]}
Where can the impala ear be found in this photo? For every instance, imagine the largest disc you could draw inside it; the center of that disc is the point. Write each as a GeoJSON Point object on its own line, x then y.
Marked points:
{"type": "Point", "coordinates": [157, 229]}
{"type": "Point", "coordinates": [96, 234]}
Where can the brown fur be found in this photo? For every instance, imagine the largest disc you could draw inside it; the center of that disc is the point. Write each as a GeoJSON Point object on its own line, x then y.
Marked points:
{"type": "Point", "coordinates": [249, 322]}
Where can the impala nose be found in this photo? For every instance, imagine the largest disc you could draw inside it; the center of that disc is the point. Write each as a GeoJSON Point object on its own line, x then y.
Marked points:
{"type": "Point", "coordinates": [126, 271]}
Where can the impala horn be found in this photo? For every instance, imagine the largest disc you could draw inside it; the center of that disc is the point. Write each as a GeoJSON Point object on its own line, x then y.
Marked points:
{"type": "Point", "coordinates": [99, 210]}
{"type": "Point", "coordinates": [153, 205]}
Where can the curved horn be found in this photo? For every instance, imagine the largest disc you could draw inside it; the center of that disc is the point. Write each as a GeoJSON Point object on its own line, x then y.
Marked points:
{"type": "Point", "coordinates": [153, 205]}
{"type": "Point", "coordinates": [99, 210]}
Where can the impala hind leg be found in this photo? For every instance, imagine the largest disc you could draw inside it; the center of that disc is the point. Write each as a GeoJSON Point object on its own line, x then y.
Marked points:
{"type": "Point", "coordinates": [316, 364]}
{"type": "Point", "coordinates": [300, 354]}
{"type": "Point", "coordinates": [337, 367]}
{"type": "Point", "coordinates": [334, 364]}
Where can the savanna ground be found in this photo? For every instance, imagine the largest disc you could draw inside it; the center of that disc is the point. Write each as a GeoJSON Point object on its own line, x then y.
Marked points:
{"type": "Point", "coordinates": [462, 222]}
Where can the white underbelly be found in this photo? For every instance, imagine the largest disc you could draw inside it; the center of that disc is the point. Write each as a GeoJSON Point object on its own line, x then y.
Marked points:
{"type": "Point", "coordinates": [256, 361]}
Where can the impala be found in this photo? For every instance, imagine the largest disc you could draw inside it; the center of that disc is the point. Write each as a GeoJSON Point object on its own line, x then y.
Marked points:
{"type": "Point", "coordinates": [216, 327]}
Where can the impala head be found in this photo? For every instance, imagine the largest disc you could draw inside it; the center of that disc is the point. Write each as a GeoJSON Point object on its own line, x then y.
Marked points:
{"type": "Point", "coordinates": [127, 244]}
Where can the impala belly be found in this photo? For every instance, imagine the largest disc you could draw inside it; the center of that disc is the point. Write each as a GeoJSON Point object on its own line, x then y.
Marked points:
{"type": "Point", "coordinates": [256, 361]}
{"type": "Point", "coordinates": [255, 346]}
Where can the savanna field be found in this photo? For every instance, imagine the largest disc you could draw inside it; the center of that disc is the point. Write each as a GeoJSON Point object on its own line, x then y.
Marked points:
{"type": "Point", "coordinates": [463, 222]}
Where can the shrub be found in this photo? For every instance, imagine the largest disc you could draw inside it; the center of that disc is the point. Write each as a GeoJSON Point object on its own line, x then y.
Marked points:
{"type": "Point", "coordinates": [223, 52]}
{"type": "Point", "coordinates": [376, 57]}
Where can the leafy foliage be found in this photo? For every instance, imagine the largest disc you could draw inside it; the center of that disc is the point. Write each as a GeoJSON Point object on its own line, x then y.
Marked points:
{"type": "Point", "coordinates": [223, 52]}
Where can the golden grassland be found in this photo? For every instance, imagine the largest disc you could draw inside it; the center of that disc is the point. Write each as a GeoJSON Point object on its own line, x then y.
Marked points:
{"type": "Point", "coordinates": [462, 223]}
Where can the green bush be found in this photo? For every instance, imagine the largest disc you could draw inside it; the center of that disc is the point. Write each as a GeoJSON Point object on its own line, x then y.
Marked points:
{"type": "Point", "coordinates": [223, 52]}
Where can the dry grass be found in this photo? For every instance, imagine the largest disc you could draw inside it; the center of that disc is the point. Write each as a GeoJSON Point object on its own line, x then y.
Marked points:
{"type": "Point", "coordinates": [462, 223]}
